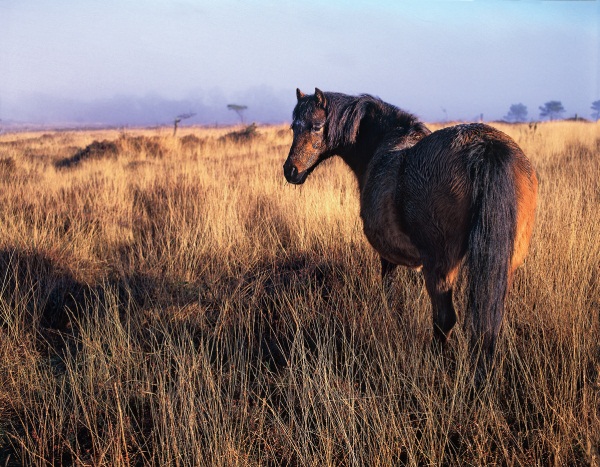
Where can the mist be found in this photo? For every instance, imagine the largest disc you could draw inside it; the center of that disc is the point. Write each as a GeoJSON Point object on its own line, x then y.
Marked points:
{"type": "Point", "coordinates": [143, 63]}
{"type": "Point", "coordinates": [265, 106]}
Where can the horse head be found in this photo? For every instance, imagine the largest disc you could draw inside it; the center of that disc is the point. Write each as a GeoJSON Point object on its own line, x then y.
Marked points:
{"type": "Point", "coordinates": [309, 146]}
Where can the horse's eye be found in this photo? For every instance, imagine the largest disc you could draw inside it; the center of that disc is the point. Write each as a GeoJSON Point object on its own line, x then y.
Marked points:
{"type": "Point", "coordinates": [316, 129]}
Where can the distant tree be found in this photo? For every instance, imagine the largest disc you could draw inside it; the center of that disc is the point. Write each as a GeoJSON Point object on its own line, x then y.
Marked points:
{"type": "Point", "coordinates": [179, 118]}
{"type": "Point", "coordinates": [596, 109]}
{"type": "Point", "coordinates": [516, 113]}
{"type": "Point", "coordinates": [551, 109]}
{"type": "Point", "coordinates": [238, 109]}
{"type": "Point", "coordinates": [445, 113]}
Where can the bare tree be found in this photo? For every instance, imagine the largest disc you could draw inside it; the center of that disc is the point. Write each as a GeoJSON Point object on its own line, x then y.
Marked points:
{"type": "Point", "coordinates": [179, 118]}
{"type": "Point", "coordinates": [238, 109]}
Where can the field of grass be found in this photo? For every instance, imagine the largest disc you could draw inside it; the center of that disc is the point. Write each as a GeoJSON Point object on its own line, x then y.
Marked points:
{"type": "Point", "coordinates": [172, 301]}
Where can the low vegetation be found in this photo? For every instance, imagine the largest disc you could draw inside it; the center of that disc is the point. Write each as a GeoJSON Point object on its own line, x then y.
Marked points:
{"type": "Point", "coordinates": [172, 301]}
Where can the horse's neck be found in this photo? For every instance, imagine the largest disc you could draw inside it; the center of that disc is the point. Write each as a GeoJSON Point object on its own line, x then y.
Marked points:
{"type": "Point", "coordinates": [371, 137]}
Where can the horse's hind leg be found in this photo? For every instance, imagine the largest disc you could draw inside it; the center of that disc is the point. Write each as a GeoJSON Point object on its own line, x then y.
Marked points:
{"type": "Point", "coordinates": [386, 269]}
{"type": "Point", "coordinates": [439, 286]}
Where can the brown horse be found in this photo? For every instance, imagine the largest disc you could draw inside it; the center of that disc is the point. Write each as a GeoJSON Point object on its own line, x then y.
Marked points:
{"type": "Point", "coordinates": [428, 199]}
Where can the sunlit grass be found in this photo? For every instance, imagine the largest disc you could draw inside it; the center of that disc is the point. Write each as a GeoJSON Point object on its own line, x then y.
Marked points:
{"type": "Point", "coordinates": [178, 303]}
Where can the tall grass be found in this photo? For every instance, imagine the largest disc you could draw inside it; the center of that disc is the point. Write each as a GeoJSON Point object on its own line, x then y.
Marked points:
{"type": "Point", "coordinates": [174, 302]}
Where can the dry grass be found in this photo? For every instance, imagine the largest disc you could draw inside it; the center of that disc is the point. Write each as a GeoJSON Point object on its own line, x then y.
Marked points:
{"type": "Point", "coordinates": [171, 301]}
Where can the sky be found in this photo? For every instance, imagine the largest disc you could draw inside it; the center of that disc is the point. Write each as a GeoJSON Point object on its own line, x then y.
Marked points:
{"type": "Point", "coordinates": [134, 62]}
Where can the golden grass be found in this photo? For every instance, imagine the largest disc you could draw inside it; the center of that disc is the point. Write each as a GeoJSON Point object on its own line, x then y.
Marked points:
{"type": "Point", "coordinates": [177, 303]}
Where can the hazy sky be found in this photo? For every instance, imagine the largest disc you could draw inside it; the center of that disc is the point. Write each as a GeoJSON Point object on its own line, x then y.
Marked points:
{"type": "Point", "coordinates": [142, 62]}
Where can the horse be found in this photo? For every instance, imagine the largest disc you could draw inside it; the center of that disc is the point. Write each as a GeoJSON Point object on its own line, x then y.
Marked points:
{"type": "Point", "coordinates": [460, 196]}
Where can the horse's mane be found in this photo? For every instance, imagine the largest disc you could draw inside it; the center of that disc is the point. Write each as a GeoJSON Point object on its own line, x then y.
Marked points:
{"type": "Point", "coordinates": [346, 113]}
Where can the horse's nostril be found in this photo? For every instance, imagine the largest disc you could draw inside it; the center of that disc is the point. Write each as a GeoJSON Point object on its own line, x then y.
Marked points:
{"type": "Point", "coordinates": [289, 170]}
{"type": "Point", "coordinates": [291, 173]}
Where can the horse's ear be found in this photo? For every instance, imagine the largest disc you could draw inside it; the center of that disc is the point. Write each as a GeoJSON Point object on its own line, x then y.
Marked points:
{"type": "Point", "coordinates": [320, 96]}
{"type": "Point", "coordinates": [299, 94]}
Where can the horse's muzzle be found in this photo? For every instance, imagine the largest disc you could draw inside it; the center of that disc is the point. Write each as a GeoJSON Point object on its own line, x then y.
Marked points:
{"type": "Point", "coordinates": [292, 175]}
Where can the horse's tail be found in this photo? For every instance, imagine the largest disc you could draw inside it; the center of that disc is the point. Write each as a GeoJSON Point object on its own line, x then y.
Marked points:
{"type": "Point", "coordinates": [491, 241]}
